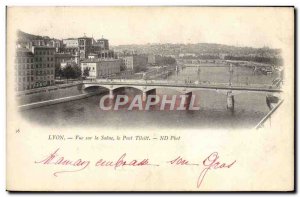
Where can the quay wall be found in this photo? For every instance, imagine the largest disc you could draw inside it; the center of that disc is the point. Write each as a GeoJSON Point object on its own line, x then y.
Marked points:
{"type": "Point", "coordinates": [53, 95]}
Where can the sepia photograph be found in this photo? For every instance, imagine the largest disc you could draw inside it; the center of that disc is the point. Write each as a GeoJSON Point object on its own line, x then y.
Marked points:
{"type": "Point", "coordinates": [66, 71]}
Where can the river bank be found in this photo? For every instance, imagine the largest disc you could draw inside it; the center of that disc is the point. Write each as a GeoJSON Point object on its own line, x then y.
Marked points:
{"type": "Point", "coordinates": [53, 95]}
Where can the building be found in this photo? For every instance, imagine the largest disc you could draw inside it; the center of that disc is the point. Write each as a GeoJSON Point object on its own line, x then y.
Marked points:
{"type": "Point", "coordinates": [104, 54]}
{"type": "Point", "coordinates": [44, 61]}
{"type": "Point", "coordinates": [71, 46]}
{"type": "Point", "coordinates": [45, 42]}
{"type": "Point", "coordinates": [100, 68]}
{"type": "Point", "coordinates": [24, 70]}
{"type": "Point", "coordinates": [92, 56]}
{"type": "Point", "coordinates": [70, 42]}
{"type": "Point", "coordinates": [135, 62]}
{"type": "Point", "coordinates": [85, 45]}
{"type": "Point", "coordinates": [57, 44]}
{"type": "Point", "coordinates": [101, 47]}
{"type": "Point", "coordinates": [103, 43]}
{"type": "Point", "coordinates": [62, 58]}
{"type": "Point", "coordinates": [34, 68]}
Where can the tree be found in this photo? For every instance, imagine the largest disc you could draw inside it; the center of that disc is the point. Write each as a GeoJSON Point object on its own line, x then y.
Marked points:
{"type": "Point", "coordinates": [122, 67]}
{"type": "Point", "coordinates": [68, 72]}
{"type": "Point", "coordinates": [58, 71]}
{"type": "Point", "coordinates": [71, 72]}
{"type": "Point", "coordinates": [77, 71]}
{"type": "Point", "coordinates": [139, 69]}
{"type": "Point", "coordinates": [163, 60]}
{"type": "Point", "coordinates": [86, 72]}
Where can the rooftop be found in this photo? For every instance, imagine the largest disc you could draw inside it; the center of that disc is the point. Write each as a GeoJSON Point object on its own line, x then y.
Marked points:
{"type": "Point", "coordinates": [23, 51]}
{"type": "Point", "coordinates": [63, 54]}
{"type": "Point", "coordinates": [43, 47]}
{"type": "Point", "coordinates": [85, 37]}
{"type": "Point", "coordinates": [70, 39]}
{"type": "Point", "coordinates": [95, 60]}
{"type": "Point", "coordinates": [101, 39]}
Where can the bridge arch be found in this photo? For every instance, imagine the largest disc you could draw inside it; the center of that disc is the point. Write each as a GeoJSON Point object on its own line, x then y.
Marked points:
{"type": "Point", "coordinates": [87, 88]}
{"type": "Point", "coordinates": [115, 87]}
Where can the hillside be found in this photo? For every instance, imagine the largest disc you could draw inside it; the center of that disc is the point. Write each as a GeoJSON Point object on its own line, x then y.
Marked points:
{"type": "Point", "coordinates": [25, 37]}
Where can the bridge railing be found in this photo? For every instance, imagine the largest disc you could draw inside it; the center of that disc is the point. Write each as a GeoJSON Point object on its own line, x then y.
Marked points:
{"type": "Point", "coordinates": [262, 123]}
{"type": "Point", "coordinates": [181, 83]}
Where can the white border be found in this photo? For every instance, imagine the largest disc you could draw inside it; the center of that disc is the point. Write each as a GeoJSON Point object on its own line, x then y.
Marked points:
{"type": "Point", "coordinates": [5, 3]}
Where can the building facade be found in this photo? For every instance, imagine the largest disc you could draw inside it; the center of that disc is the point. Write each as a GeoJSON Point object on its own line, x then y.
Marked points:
{"type": "Point", "coordinates": [62, 58]}
{"type": "Point", "coordinates": [134, 62]}
{"type": "Point", "coordinates": [24, 70]}
{"type": "Point", "coordinates": [103, 43]}
{"type": "Point", "coordinates": [100, 68]}
{"type": "Point", "coordinates": [44, 60]}
{"type": "Point", "coordinates": [35, 68]}
{"type": "Point", "coordinates": [85, 45]}
{"type": "Point", "coordinates": [70, 42]}
{"type": "Point", "coordinates": [104, 54]}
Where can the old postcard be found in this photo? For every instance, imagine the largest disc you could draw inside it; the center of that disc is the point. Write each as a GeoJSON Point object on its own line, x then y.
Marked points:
{"type": "Point", "coordinates": [150, 99]}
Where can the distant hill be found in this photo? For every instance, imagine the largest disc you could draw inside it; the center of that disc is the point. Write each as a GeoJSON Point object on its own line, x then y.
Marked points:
{"type": "Point", "coordinates": [197, 48]}
{"type": "Point", "coordinates": [25, 37]}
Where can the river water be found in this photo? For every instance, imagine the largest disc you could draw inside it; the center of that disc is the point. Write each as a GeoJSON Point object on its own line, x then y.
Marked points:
{"type": "Point", "coordinates": [249, 108]}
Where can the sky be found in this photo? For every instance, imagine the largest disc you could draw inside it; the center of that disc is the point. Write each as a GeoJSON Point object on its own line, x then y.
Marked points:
{"type": "Point", "coordinates": [253, 27]}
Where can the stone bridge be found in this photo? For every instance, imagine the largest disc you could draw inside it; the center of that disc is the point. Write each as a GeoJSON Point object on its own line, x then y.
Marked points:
{"type": "Point", "coordinates": [149, 88]}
